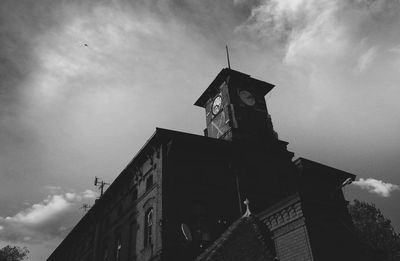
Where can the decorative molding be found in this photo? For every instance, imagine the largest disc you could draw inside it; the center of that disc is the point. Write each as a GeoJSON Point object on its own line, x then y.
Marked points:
{"type": "Point", "coordinates": [283, 216]}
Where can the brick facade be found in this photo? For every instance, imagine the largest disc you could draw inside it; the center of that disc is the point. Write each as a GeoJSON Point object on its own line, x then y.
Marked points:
{"type": "Point", "coordinates": [114, 228]}
{"type": "Point", "coordinates": [287, 224]}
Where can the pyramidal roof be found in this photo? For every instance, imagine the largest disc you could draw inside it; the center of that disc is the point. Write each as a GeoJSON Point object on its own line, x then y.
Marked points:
{"type": "Point", "coordinates": [247, 239]}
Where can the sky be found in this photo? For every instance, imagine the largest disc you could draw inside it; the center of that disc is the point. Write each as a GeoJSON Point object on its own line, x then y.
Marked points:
{"type": "Point", "coordinates": [84, 84]}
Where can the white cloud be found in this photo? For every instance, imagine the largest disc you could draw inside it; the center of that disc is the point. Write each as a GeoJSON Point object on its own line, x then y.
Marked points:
{"type": "Point", "coordinates": [89, 194]}
{"type": "Point", "coordinates": [305, 28]}
{"type": "Point", "coordinates": [376, 186]}
{"type": "Point", "coordinates": [72, 196]}
{"type": "Point", "coordinates": [49, 218]}
{"type": "Point", "coordinates": [41, 212]}
{"type": "Point", "coordinates": [366, 59]}
{"type": "Point", "coordinates": [316, 32]}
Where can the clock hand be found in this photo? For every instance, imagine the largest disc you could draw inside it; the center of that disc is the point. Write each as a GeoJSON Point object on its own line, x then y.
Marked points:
{"type": "Point", "coordinates": [215, 125]}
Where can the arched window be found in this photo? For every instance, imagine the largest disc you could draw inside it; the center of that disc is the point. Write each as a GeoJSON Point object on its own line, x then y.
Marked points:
{"type": "Point", "coordinates": [148, 228]}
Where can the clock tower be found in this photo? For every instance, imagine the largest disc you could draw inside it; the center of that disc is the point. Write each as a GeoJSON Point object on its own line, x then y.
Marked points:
{"type": "Point", "coordinates": [236, 109]}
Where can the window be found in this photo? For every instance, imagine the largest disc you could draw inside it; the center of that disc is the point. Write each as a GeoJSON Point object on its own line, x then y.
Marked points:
{"type": "Point", "coordinates": [148, 227]}
{"type": "Point", "coordinates": [149, 182]}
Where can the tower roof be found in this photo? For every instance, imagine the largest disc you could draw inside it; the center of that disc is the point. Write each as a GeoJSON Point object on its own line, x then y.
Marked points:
{"type": "Point", "coordinates": [223, 75]}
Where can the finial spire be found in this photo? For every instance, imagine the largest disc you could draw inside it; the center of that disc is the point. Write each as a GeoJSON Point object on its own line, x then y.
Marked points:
{"type": "Point", "coordinates": [227, 56]}
{"type": "Point", "coordinates": [248, 212]}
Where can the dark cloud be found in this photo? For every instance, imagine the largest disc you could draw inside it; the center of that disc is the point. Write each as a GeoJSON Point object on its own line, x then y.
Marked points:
{"type": "Point", "coordinates": [20, 23]}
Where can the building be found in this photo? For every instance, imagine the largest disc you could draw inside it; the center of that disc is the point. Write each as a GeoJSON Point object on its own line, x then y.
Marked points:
{"type": "Point", "coordinates": [181, 191]}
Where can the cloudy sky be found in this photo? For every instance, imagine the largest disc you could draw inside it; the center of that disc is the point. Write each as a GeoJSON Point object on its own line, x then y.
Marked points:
{"type": "Point", "coordinates": [84, 83]}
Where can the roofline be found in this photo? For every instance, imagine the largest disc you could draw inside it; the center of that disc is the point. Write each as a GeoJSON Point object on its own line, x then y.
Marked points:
{"type": "Point", "coordinates": [298, 162]}
{"type": "Point", "coordinates": [221, 77]}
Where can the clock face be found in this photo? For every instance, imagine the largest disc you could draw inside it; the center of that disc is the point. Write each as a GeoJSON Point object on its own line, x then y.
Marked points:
{"type": "Point", "coordinates": [247, 97]}
{"type": "Point", "coordinates": [218, 126]}
{"type": "Point", "coordinates": [216, 106]}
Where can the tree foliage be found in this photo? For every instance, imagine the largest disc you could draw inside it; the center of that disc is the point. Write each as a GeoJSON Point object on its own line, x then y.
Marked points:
{"type": "Point", "coordinates": [13, 253]}
{"type": "Point", "coordinates": [375, 230]}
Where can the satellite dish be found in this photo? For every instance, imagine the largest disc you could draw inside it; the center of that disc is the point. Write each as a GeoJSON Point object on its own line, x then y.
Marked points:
{"type": "Point", "coordinates": [186, 232]}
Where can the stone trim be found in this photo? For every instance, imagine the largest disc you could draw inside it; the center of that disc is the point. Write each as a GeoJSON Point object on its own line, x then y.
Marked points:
{"type": "Point", "coordinates": [283, 216]}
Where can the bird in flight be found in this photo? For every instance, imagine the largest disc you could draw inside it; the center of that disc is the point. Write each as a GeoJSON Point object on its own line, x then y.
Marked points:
{"type": "Point", "coordinates": [86, 45]}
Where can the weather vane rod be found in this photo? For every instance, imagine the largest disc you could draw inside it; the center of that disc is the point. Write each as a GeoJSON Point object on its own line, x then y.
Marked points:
{"type": "Point", "coordinates": [227, 56]}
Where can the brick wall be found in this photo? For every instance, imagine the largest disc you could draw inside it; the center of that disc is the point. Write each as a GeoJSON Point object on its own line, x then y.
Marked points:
{"type": "Point", "coordinates": [293, 245]}
{"type": "Point", "coordinates": [287, 224]}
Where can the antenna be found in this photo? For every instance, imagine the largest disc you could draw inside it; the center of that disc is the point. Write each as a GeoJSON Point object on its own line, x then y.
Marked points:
{"type": "Point", "coordinates": [98, 182]}
{"type": "Point", "coordinates": [227, 56]}
{"type": "Point", "coordinates": [85, 207]}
